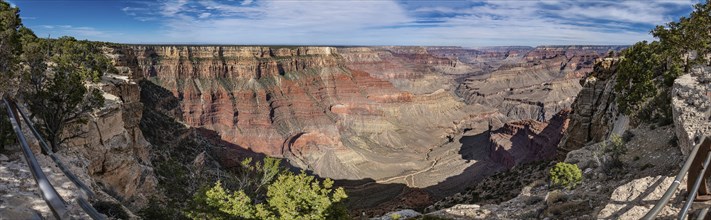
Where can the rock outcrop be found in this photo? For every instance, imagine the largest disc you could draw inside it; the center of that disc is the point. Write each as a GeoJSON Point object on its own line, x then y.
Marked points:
{"type": "Point", "coordinates": [691, 107]}
{"type": "Point", "coordinates": [526, 141]}
{"type": "Point", "coordinates": [594, 109]}
{"type": "Point", "coordinates": [112, 149]}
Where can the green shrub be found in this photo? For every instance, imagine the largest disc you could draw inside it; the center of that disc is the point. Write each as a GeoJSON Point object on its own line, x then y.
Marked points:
{"type": "Point", "coordinates": [617, 147]}
{"type": "Point", "coordinates": [395, 216]}
{"type": "Point", "coordinates": [566, 175]}
{"type": "Point", "coordinates": [290, 196]}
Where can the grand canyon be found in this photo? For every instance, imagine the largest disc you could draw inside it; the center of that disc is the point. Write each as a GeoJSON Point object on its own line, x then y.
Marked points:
{"type": "Point", "coordinates": [301, 110]}
{"type": "Point", "coordinates": [432, 118]}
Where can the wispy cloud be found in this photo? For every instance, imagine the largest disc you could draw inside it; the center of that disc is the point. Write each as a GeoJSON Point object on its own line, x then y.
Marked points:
{"type": "Point", "coordinates": [392, 22]}
{"type": "Point", "coordinates": [69, 30]}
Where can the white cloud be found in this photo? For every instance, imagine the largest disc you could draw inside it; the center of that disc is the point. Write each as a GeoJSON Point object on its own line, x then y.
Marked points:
{"type": "Point", "coordinates": [387, 22]}
{"type": "Point", "coordinates": [69, 30]}
{"type": "Point", "coordinates": [172, 7]}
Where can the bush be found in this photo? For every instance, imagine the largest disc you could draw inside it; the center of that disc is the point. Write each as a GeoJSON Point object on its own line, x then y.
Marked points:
{"type": "Point", "coordinates": [110, 209]}
{"type": "Point", "coordinates": [617, 147]}
{"type": "Point", "coordinates": [290, 196]}
{"type": "Point", "coordinates": [566, 175]}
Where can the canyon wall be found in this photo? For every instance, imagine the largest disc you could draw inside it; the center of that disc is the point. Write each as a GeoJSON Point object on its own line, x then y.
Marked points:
{"type": "Point", "coordinates": [410, 115]}
{"type": "Point", "coordinates": [110, 148]}
{"type": "Point", "coordinates": [542, 82]}
{"type": "Point", "coordinates": [595, 109]}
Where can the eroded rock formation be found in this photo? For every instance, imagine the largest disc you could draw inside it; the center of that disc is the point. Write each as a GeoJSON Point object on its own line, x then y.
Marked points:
{"type": "Point", "coordinates": [416, 116]}
{"type": "Point", "coordinates": [115, 154]}
{"type": "Point", "coordinates": [594, 109]}
{"type": "Point", "coordinates": [691, 107]}
{"type": "Point", "coordinates": [528, 140]}
{"type": "Point", "coordinates": [544, 82]}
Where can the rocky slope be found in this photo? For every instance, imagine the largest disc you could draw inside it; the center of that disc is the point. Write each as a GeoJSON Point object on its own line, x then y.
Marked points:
{"type": "Point", "coordinates": [608, 191]}
{"type": "Point", "coordinates": [109, 154]}
{"type": "Point", "coordinates": [626, 192]}
{"type": "Point", "coordinates": [390, 115]}
{"type": "Point", "coordinates": [113, 146]}
{"type": "Point", "coordinates": [543, 83]}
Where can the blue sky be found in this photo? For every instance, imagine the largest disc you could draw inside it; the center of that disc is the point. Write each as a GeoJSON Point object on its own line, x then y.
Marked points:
{"type": "Point", "coordinates": [342, 22]}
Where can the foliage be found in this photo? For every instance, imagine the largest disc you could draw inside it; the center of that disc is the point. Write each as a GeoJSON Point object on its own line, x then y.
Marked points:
{"type": "Point", "coordinates": [687, 35]}
{"type": "Point", "coordinates": [56, 93]}
{"type": "Point", "coordinates": [10, 46]}
{"type": "Point", "coordinates": [289, 196]}
{"type": "Point", "coordinates": [647, 70]}
{"type": "Point", "coordinates": [302, 197]}
{"type": "Point", "coordinates": [636, 71]}
{"type": "Point", "coordinates": [7, 135]}
{"type": "Point", "coordinates": [566, 175]}
{"type": "Point", "coordinates": [395, 216]}
{"type": "Point", "coordinates": [254, 178]}
{"type": "Point", "coordinates": [617, 147]}
{"type": "Point", "coordinates": [53, 74]}
{"type": "Point", "coordinates": [111, 209]}
{"type": "Point", "coordinates": [218, 203]}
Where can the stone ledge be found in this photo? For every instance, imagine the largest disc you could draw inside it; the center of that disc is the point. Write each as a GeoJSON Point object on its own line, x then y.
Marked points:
{"type": "Point", "coordinates": [690, 104]}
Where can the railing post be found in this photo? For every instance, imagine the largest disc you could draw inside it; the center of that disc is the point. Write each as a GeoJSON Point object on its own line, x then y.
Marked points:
{"type": "Point", "coordinates": [679, 177]}
{"type": "Point", "coordinates": [694, 190]}
{"type": "Point", "coordinates": [695, 172]}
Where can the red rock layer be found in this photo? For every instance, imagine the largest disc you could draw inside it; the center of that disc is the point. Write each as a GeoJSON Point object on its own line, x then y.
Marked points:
{"type": "Point", "coordinates": [528, 140]}
{"type": "Point", "coordinates": [258, 97]}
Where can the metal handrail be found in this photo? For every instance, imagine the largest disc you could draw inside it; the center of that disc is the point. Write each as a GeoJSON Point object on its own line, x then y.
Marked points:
{"type": "Point", "coordinates": [83, 203]}
{"type": "Point", "coordinates": [695, 188]}
{"type": "Point", "coordinates": [85, 189]}
{"type": "Point", "coordinates": [702, 213]}
{"type": "Point", "coordinates": [668, 194]}
{"type": "Point", "coordinates": [49, 194]}
{"type": "Point", "coordinates": [89, 209]}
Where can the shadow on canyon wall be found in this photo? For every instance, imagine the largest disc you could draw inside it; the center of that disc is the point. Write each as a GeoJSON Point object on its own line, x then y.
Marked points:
{"type": "Point", "coordinates": [162, 108]}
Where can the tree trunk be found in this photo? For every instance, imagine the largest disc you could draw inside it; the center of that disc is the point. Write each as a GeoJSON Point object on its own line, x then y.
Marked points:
{"type": "Point", "coordinates": [3, 131]}
{"type": "Point", "coordinates": [53, 142]}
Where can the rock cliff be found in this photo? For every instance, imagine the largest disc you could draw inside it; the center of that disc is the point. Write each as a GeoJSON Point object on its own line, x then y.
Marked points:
{"type": "Point", "coordinates": [526, 141]}
{"type": "Point", "coordinates": [112, 149]}
{"type": "Point", "coordinates": [542, 83]}
{"type": "Point", "coordinates": [312, 106]}
{"type": "Point", "coordinates": [594, 109]}
{"type": "Point", "coordinates": [416, 116]}
{"type": "Point", "coordinates": [691, 107]}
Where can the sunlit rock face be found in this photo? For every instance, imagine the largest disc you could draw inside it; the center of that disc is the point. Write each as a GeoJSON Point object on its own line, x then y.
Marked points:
{"type": "Point", "coordinates": [543, 82]}
{"type": "Point", "coordinates": [412, 115]}
{"type": "Point", "coordinates": [595, 111]}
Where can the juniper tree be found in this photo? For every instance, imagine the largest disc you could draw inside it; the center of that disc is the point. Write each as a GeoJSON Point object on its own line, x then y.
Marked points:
{"type": "Point", "coordinates": [10, 46]}
{"type": "Point", "coordinates": [58, 71]}
{"type": "Point", "coordinates": [10, 50]}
